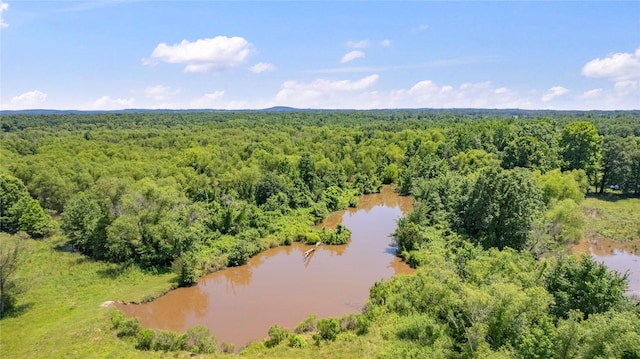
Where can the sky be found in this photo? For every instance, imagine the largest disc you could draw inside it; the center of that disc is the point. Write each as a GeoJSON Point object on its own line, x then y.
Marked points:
{"type": "Point", "coordinates": [110, 55]}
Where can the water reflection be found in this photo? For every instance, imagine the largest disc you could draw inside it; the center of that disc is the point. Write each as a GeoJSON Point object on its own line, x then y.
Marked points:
{"type": "Point", "coordinates": [621, 257]}
{"type": "Point", "coordinates": [280, 286]}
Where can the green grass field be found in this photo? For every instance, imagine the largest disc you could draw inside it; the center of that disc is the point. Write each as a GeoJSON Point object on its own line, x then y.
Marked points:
{"type": "Point", "coordinates": [612, 217]}
{"type": "Point", "coordinates": [59, 310]}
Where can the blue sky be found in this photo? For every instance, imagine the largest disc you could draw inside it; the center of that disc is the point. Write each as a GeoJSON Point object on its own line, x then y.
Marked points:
{"type": "Point", "coordinates": [104, 55]}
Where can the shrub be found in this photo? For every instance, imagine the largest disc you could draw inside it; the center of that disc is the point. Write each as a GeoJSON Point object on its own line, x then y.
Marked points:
{"type": "Point", "coordinates": [146, 337]}
{"type": "Point", "coordinates": [128, 327]}
{"type": "Point", "coordinates": [297, 341]}
{"type": "Point", "coordinates": [307, 325]}
{"type": "Point", "coordinates": [276, 335]}
{"type": "Point", "coordinates": [329, 328]}
{"type": "Point", "coordinates": [200, 341]}
{"type": "Point", "coordinates": [227, 347]}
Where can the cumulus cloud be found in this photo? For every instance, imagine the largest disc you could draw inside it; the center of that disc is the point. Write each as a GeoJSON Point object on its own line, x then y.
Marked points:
{"type": "Point", "coordinates": [261, 67]}
{"type": "Point", "coordinates": [616, 67]}
{"type": "Point", "coordinates": [3, 7]}
{"type": "Point", "coordinates": [28, 99]}
{"type": "Point", "coordinates": [209, 100]}
{"type": "Point", "coordinates": [428, 94]}
{"type": "Point", "coordinates": [108, 103]}
{"type": "Point", "coordinates": [623, 69]}
{"type": "Point", "coordinates": [350, 56]}
{"type": "Point", "coordinates": [358, 44]}
{"type": "Point", "coordinates": [321, 93]}
{"type": "Point", "coordinates": [158, 92]}
{"type": "Point", "coordinates": [205, 55]}
{"type": "Point", "coordinates": [385, 43]}
{"type": "Point", "coordinates": [553, 93]}
{"type": "Point", "coordinates": [592, 93]}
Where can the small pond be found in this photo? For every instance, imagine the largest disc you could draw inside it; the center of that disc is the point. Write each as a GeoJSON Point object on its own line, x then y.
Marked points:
{"type": "Point", "coordinates": [280, 286]}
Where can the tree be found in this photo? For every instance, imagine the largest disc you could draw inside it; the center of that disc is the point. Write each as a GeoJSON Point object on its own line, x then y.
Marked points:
{"type": "Point", "coordinates": [20, 212]}
{"type": "Point", "coordinates": [615, 162]}
{"type": "Point", "coordinates": [502, 207]}
{"type": "Point", "coordinates": [581, 148]}
{"type": "Point", "coordinates": [584, 285]}
{"type": "Point", "coordinates": [529, 152]}
{"type": "Point", "coordinates": [11, 254]}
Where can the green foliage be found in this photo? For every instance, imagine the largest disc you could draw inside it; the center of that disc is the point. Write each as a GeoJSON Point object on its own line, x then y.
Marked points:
{"type": "Point", "coordinates": [580, 146]}
{"type": "Point", "coordinates": [276, 335]}
{"type": "Point", "coordinates": [125, 327]}
{"type": "Point", "coordinates": [185, 268]}
{"type": "Point", "coordinates": [558, 186]}
{"type": "Point", "coordinates": [502, 207]}
{"type": "Point", "coordinates": [19, 212]}
{"type": "Point", "coordinates": [565, 222]}
{"type": "Point", "coordinates": [200, 341]}
{"type": "Point", "coordinates": [307, 325]}
{"type": "Point", "coordinates": [297, 341]}
{"type": "Point", "coordinates": [12, 254]}
{"type": "Point", "coordinates": [329, 328]}
{"type": "Point", "coordinates": [584, 285]}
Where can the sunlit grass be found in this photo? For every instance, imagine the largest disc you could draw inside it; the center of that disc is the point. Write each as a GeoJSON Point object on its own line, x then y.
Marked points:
{"type": "Point", "coordinates": [613, 218]}
{"type": "Point", "coordinates": [59, 308]}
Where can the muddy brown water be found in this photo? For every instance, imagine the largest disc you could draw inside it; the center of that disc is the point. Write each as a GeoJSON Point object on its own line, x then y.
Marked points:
{"type": "Point", "coordinates": [279, 286]}
{"type": "Point", "coordinates": [622, 257]}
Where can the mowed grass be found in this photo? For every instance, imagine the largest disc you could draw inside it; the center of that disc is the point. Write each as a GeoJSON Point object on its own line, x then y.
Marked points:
{"type": "Point", "coordinates": [612, 217]}
{"type": "Point", "coordinates": [59, 308]}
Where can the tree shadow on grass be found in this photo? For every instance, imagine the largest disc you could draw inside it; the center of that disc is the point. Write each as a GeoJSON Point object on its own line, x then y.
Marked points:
{"type": "Point", "coordinates": [17, 310]}
{"type": "Point", "coordinates": [612, 197]}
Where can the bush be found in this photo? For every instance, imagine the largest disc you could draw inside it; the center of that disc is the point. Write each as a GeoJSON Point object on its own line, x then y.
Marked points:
{"type": "Point", "coordinates": [200, 341]}
{"type": "Point", "coordinates": [128, 327]}
{"type": "Point", "coordinates": [307, 325]}
{"type": "Point", "coordinates": [297, 341]}
{"type": "Point", "coordinates": [329, 328]}
{"type": "Point", "coordinates": [356, 323]}
{"type": "Point", "coordinates": [276, 335]}
{"type": "Point", "coordinates": [146, 337]}
{"type": "Point", "coordinates": [227, 347]}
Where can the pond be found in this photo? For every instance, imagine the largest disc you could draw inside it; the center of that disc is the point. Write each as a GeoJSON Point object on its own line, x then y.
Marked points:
{"type": "Point", "coordinates": [280, 286]}
{"type": "Point", "coordinates": [622, 257]}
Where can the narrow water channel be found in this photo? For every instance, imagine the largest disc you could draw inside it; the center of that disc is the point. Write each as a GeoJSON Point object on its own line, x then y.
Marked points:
{"type": "Point", "coordinates": [279, 286]}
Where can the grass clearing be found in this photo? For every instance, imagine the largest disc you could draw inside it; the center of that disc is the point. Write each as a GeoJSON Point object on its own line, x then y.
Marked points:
{"type": "Point", "coordinates": [60, 313]}
{"type": "Point", "coordinates": [612, 217]}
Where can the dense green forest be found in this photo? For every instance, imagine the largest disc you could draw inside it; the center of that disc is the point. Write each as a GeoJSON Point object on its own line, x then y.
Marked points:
{"type": "Point", "coordinates": [497, 194]}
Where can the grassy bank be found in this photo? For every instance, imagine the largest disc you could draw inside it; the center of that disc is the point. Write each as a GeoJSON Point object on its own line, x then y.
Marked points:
{"type": "Point", "coordinates": [612, 217]}
{"type": "Point", "coordinates": [59, 310]}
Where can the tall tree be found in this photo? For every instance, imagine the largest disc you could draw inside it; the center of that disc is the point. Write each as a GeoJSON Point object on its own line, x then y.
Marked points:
{"type": "Point", "coordinates": [502, 207]}
{"type": "Point", "coordinates": [581, 148]}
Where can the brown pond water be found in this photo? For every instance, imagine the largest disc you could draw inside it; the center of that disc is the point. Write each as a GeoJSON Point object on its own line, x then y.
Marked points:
{"type": "Point", "coordinates": [279, 286]}
{"type": "Point", "coordinates": [622, 257]}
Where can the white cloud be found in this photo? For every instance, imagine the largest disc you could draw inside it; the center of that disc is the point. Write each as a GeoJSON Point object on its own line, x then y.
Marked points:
{"type": "Point", "coordinates": [621, 68]}
{"type": "Point", "coordinates": [553, 93]}
{"type": "Point", "coordinates": [209, 100]}
{"type": "Point", "coordinates": [321, 93]}
{"type": "Point", "coordinates": [350, 56]}
{"type": "Point", "coordinates": [3, 7]}
{"type": "Point", "coordinates": [592, 93]}
{"type": "Point", "coordinates": [261, 67]}
{"type": "Point", "coordinates": [428, 94]}
{"type": "Point", "coordinates": [28, 99]}
{"type": "Point", "coordinates": [616, 67]}
{"type": "Point", "coordinates": [385, 43]}
{"type": "Point", "coordinates": [358, 44]}
{"type": "Point", "coordinates": [158, 92]}
{"type": "Point", "coordinates": [108, 103]}
{"type": "Point", "coordinates": [205, 55]}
